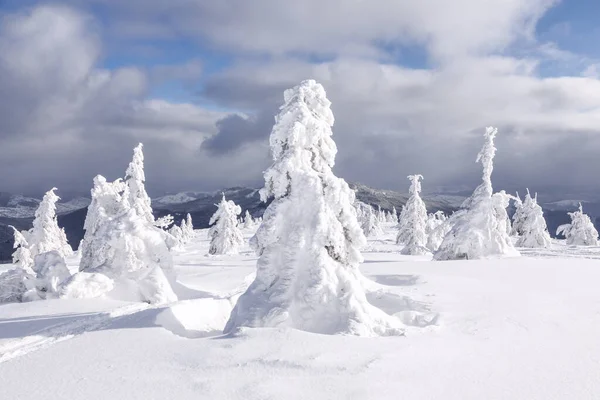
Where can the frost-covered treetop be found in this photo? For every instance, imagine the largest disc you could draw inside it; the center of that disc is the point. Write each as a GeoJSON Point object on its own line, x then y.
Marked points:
{"type": "Point", "coordinates": [301, 137]}
{"type": "Point", "coordinates": [486, 158]}
{"type": "Point", "coordinates": [415, 184]}
{"type": "Point", "coordinates": [136, 166]}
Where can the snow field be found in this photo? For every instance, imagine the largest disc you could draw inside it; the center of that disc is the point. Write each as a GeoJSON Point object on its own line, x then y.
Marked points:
{"type": "Point", "coordinates": [522, 328]}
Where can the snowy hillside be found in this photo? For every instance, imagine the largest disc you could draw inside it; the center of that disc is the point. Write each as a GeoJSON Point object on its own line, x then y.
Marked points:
{"type": "Point", "coordinates": [523, 328]}
{"type": "Point", "coordinates": [177, 198]}
{"type": "Point", "coordinates": [19, 206]}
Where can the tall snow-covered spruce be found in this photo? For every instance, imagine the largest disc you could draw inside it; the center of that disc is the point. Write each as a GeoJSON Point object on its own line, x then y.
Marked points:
{"type": "Point", "coordinates": [581, 230]}
{"type": "Point", "coordinates": [479, 229]}
{"type": "Point", "coordinates": [135, 179]}
{"type": "Point", "coordinates": [308, 244]}
{"type": "Point", "coordinates": [413, 221]}
{"type": "Point", "coordinates": [225, 235]}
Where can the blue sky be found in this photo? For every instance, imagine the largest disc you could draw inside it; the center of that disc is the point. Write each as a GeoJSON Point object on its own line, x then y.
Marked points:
{"type": "Point", "coordinates": [413, 85]}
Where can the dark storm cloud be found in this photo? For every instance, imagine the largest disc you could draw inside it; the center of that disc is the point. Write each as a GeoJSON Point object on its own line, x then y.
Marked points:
{"type": "Point", "coordinates": [234, 131]}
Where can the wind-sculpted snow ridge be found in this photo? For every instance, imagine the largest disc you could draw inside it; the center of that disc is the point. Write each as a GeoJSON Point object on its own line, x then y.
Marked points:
{"type": "Point", "coordinates": [309, 241]}
{"type": "Point", "coordinates": [63, 331]}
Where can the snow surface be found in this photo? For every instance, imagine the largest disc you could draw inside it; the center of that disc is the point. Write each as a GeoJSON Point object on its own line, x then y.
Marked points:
{"type": "Point", "coordinates": [522, 328]}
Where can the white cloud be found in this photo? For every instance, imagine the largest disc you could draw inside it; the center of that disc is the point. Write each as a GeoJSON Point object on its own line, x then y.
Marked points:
{"type": "Point", "coordinates": [390, 120]}
{"type": "Point", "coordinates": [338, 27]}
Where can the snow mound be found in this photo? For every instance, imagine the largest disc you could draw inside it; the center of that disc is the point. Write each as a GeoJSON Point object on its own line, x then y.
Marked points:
{"type": "Point", "coordinates": [196, 318]}
{"type": "Point", "coordinates": [84, 285]}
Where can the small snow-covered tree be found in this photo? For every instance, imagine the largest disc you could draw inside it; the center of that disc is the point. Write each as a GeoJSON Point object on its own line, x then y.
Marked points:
{"type": "Point", "coordinates": [479, 229]}
{"type": "Point", "coordinates": [501, 201]}
{"type": "Point", "coordinates": [15, 283]}
{"type": "Point", "coordinates": [534, 232]}
{"type": "Point", "coordinates": [177, 233]}
{"type": "Point", "coordinates": [164, 222]}
{"type": "Point", "coordinates": [46, 235]}
{"type": "Point", "coordinates": [413, 220]}
{"type": "Point", "coordinates": [380, 215]}
{"type": "Point", "coordinates": [518, 216]}
{"type": "Point", "coordinates": [436, 229]}
{"type": "Point", "coordinates": [394, 215]}
{"type": "Point", "coordinates": [309, 242]}
{"type": "Point", "coordinates": [187, 228]}
{"type": "Point", "coordinates": [581, 230]}
{"type": "Point", "coordinates": [51, 272]}
{"type": "Point", "coordinates": [368, 220]}
{"type": "Point", "coordinates": [22, 257]}
{"type": "Point", "coordinates": [248, 221]}
{"type": "Point", "coordinates": [125, 246]}
{"type": "Point", "coordinates": [225, 235]}
{"type": "Point", "coordinates": [135, 179]}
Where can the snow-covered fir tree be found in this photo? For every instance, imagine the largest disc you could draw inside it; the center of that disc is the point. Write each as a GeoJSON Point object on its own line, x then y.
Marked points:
{"type": "Point", "coordinates": [501, 200]}
{"type": "Point", "coordinates": [15, 283]}
{"type": "Point", "coordinates": [413, 220]}
{"type": "Point", "coordinates": [125, 246]}
{"type": "Point", "coordinates": [380, 215]}
{"type": "Point", "coordinates": [436, 229]}
{"type": "Point", "coordinates": [518, 216]}
{"type": "Point", "coordinates": [187, 227]}
{"type": "Point", "coordinates": [46, 235]}
{"type": "Point", "coordinates": [135, 179]}
{"type": "Point", "coordinates": [394, 215]}
{"type": "Point", "coordinates": [479, 230]}
{"type": "Point", "coordinates": [581, 230]}
{"type": "Point", "coordinates": [367, 218]}
{"type": "Point", "coordinates": [177, 232]}
{"type": "Point", "coordinates": [534, 232]}
{"type": "Point", "coordinates": [309, 242]}
{"type": "Point", "coordinates": [248, 221]}
{"type": "Point", "coordinates": [225, 235]}
{"type": "Point", "coordinates": [21, 257]}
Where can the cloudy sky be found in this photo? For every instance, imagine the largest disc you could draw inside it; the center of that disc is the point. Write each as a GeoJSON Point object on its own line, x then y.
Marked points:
{"type": "Point", "coordinates": [413, 84]}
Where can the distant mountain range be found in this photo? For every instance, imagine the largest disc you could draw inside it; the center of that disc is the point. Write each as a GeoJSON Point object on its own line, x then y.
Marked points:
{"type": "Point", "coordinates": [18, 210]}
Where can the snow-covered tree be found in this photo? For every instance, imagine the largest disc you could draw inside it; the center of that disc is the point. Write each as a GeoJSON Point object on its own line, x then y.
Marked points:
{"type": "Point", "coordinates": [479, 229]}
{"type": "Point", "coordinates": [394, 215]}
{"type": "Point", "coordinates": [164, 222]}
{"type": "Point", "coordinates": [15, 283]}
{"type": "Point", "coordinates": [225, 235]}
{"type": "Point", "coordinates": [46, 235]}
{"type": "Point", "coordinates": [177, 232]}
{"type": "Point", "coordinates": [309, 242]}
{"type": "Point", "coordinates": [413, 221]}
{"type": "Point", "coordinates": [534, 232]}
{"type": "Point", "coordinates": [380, 215]}
{"type": "Point", "coordinates": [248, 221]}
{"type": "Point", "coordinates": [368, 220]}
{"type": "Point", "coordinates": [436, 229]}
{"type": "Point", "coordinates": [518, 216]}
{"type": "Point", "coordinates": [135, 180]}
{"type": "Point", "coordinates": [501, 201]}
{"type": "Point", "coordinates": [581, 230]}
{"type": "Point", "coordinates": [22, 257]}
{"type": "Point", "coordinates": [51, 272]}
{"type": "Point", "coordinates": [187, 227]}
{"type": "Point", "coordinates": [125, 246]}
